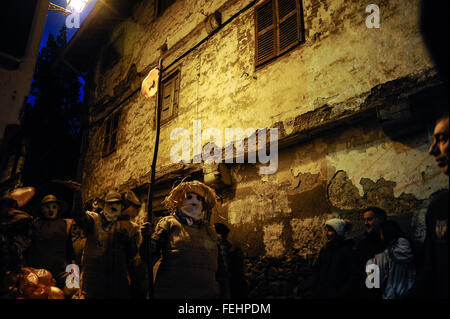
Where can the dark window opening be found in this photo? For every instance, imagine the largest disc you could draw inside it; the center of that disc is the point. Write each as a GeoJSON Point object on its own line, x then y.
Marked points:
{"type": "Point", "coordinates": [110, 133]}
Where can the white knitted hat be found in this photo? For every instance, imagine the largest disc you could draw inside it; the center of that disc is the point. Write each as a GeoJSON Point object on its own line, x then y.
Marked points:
{"type": "Point", "coordinates": [338, 225]}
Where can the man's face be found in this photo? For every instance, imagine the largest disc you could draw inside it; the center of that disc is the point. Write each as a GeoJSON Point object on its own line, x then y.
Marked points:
{"type": "Point", "coordinates": [330, 234]}
{"type": "Point", "coordinates": [370, 220]}
{"type": "Point", "coordinates": [50, 210]}
{"type": "Point", "coordinates": [95, 206]}
{"type": "Point", "coordinates": [440, 147]}
{"type": "Point", "coordinates": [112, 211]}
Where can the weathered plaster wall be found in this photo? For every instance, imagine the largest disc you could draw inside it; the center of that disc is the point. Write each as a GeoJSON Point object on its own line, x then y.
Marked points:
{"type": "Point", "coordinates": [337, 68]}
{"type": "Point", "coordinates": [277, 219]}
{"type": "Point", "coordinates": [318, 178]}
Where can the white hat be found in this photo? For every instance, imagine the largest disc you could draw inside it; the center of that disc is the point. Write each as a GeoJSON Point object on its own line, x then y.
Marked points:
{"type": "Point", "coordinates": [338, 225]}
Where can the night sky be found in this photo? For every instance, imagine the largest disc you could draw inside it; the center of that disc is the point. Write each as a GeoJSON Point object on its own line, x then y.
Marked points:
{"type": "Point", "coordinates": [54, 22]}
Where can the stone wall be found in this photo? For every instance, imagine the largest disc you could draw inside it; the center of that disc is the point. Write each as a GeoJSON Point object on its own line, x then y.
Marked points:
{"type": "Point", "coordinates": [335, 157]}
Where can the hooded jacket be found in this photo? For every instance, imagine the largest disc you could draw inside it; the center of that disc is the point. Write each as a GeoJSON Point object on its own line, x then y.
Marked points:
{"type": "Point", "coordinates": [397, 269]}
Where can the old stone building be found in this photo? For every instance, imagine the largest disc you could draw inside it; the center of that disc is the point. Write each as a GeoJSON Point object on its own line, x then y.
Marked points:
{"type": "Point", "coordinates": [348, 102]}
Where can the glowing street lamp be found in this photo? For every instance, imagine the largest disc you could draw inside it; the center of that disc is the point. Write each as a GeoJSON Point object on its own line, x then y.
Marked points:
{"type": "Point", "coordinates": [77, 5]}
{"type": "Point", "coordinates": [72, 6]}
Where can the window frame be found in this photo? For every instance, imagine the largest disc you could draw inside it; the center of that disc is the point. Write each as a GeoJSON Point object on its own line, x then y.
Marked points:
{"type": "Point", "coordinates": [170, 76]}
{"type": "Point", "coordinates": [276, 26]}
{"type": "Point", "coordinates": [114, 118]}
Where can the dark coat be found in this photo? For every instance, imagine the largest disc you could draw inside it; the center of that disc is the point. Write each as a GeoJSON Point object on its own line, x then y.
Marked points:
{"type": "Point", "coordinates": [189, 259]}
{"type": "Point", "coordinates": [52, 247]}
{"type": "Point", "coordinates": [108, 257]}
{"type": "Point", "coordinates": [368, 246]}
{"type": "Point", "coordinates": [433, 280]}
{"type": "Point", "coordinates": [335, 270]}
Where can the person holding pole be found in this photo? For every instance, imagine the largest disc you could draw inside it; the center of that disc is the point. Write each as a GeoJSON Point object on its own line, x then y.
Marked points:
{"type": "Point", "coordinates": [186, 244]}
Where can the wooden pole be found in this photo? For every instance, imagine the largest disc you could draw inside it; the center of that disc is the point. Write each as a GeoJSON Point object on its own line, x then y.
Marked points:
{"type": "Point", "coordinates": [152, 180]}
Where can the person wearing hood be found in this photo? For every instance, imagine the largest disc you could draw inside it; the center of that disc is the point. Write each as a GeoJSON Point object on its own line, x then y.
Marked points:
{"type": "Point", "coordinates": [186, 244]}
{"type": "Point", "coordinates": [111, 246]}
{"type": "Point", "coordinates": [397, 272]}
{"type": "Point", "coordinates": [335, 268]}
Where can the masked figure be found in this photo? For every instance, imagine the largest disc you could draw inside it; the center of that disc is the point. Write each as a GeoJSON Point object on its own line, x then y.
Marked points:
{"type": "Point", "coordinates": [17, 281]}
{"type": "Point", "coordinates": [111, 246]}
{"type": "Point", "coordinates": [15, 235]}
{"type": "Point", "coordinates": [186, 244]}
{"type": "Point", "coordinates": [51, 247]}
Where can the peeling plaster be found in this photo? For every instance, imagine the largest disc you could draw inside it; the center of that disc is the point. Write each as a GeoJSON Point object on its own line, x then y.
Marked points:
{"type": "Point", "coordinates": [272, 240]}
{"type": "Point", "coordinates": [413, 169]}
{"type": "Point", "coordinates": [258, 208]}
{"type": "Point", "coordinates": [308, 234]}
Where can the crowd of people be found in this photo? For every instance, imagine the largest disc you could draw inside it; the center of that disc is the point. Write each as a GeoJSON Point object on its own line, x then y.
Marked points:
{"type": "Point", "coordinates": [192, 259]}
{"type": "Point", "coordinates": [101, 254]}
{"type": "Point", "coordinates": [402, 270]}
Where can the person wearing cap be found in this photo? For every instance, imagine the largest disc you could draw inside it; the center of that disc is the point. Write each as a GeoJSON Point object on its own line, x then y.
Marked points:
{"type": "Point", "coordinates": [186, 244]}
{"type": "Point", "coordinates": [335, 268]}
{"type": "Point", "coordinates": [111, 246]}
{"type": "Point", "coordinates": [51, 246]}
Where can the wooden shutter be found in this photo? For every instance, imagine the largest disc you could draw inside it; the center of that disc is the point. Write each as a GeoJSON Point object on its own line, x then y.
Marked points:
{"type": "Point", "coordinates": [265, 28]}
{"type": "Point", "coordinates": [169, 96]}
{"type": "Point", "coordinates": [110, 137]}
{"type": "Point", "coordinates": [288, 21]}
{"type": "Point", "coordinates": [167, 100]}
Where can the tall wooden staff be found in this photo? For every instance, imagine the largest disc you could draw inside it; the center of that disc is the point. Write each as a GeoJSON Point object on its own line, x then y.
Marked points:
{"type": "Point", "coordinates": [150, 87]}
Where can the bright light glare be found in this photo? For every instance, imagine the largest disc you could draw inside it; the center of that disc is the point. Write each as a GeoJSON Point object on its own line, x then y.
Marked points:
{"type": "Point", "coordinates": [76, 5]}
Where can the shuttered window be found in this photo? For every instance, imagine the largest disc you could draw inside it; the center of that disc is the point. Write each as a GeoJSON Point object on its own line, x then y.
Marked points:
{"type": "Point", "coordinates": [169, 96]}
{"type": "Point", "coordinates": [110, 133]}
{"type": "Point", "coordinates": [278, 28]}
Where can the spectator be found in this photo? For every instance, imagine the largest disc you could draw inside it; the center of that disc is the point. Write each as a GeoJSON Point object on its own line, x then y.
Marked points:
{"type": "Point", "coordinates": [368, 245]}
{"type": "Point", "coordinates": [231, 266]}
{"type": "Point", "coordinates": [397, 271]}
{"type": "Point", "coordinates": [335, 268]}
{"type": "Point", "coordinates": [433, 281]}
